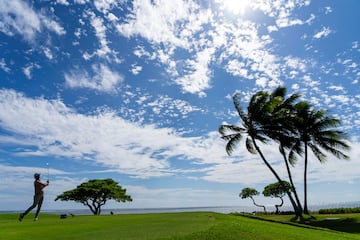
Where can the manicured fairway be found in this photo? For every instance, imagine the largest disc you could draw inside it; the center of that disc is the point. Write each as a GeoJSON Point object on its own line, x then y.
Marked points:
{"type": "Point", "coordinates": [178, 226]}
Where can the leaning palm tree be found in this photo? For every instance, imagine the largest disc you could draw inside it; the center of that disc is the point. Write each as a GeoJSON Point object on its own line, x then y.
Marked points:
{"type": "Point", "coordinates": [259, 109]}
{"type": "Point", "coordinates": [278, 126]}
{"type": "Point", "coordinates": [317, 132]}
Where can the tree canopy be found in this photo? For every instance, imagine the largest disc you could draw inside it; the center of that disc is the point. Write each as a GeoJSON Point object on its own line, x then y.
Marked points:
{"type": "Point", "coordinates": [277, 190]}
{"type": "Point", "coordinates": [250, 193]}
{"type": "Point", "coordinates": [95, 193]}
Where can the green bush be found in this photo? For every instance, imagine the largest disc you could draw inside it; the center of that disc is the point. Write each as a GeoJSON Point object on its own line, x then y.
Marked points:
{"type": "Point", "coordinates": [339, 210]}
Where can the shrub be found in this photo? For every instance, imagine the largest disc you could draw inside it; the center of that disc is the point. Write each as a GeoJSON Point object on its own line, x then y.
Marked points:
{"type": "Point", "coordinates": [339, 210]}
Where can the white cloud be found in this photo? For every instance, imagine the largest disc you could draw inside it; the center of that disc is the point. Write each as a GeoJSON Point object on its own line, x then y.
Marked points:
{"type": "Point", "coordinates": [63, 2]}
{"type": "Point", "coordinates": [171, 106]}
{"type": "Point", "coordinates": [286, 22]}
{"type": "Point", "coordinates": [111, 17]}
{"type": "Point", "coordinates": [173, 25]}
{"type": "Point", "coordinates": [4, 66]}
{"type": "Point", "coordinates": [341, 98]}
{"type": "Point", "coordinates": [104, 79]}
{"type": "Point", "coordinates": [328, 10]}
{"type": "Point", "coordinates": [48, 53]}
{"type": "Point", "coordinates": [272, 29]}
{"type": "Point", "coordinates": [262, 82]}
{"type": "Point", "coordinates": [100, 30]}
{"type": "Point", "coordinates": [279, 9]}
{"type": "Point", "coordinates": [355, 44]}
{"type": "Point", "coordinates": [105, 6]}
{"type": "Point", "coordinates": [235, 40]}
{"type": "Point", "coordinates": [25, 21]}
{"type": "Point", "coordinates": [197, 73]}
{"type": "Point", "coordinates": [295, 63]}
{"type": "Point", "coordinates": [323, 33]}
{"type": "Point", "coordinates": [17, 17]}
{"type": "Point", "coordinates": [29, 68]}
{"type": "Point", "coordinates": [246, 46]}
{"type": "Point", "coordinates": [52, 25]}
{"type": "Point", "coordinates": [136, 69]}
{"type": "Point", "coordinates": [165, 18]}
{"type": "Point", "coordinates": [81, 1]}
{"type": "Point", "coordinates": [50, 128]}
{"type": "Point", "coordinates": [337, 88]}
{"type": "Point", "coordinates": [237, 68]}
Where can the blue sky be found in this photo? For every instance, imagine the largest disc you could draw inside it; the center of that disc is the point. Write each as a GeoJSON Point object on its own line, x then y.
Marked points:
{"type": "Point", "coordinates": [136, 90]}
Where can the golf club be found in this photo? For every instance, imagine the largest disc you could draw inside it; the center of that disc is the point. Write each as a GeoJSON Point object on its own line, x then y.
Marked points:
{"type": "Point", "coordinates": [48, 171]}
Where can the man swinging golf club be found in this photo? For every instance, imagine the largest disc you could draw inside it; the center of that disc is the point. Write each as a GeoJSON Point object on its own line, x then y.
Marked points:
{"type": "Point", "coordinates": [38, 197]}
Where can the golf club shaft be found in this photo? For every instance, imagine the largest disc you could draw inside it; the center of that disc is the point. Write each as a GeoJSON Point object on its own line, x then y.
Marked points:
{"type": "Point", "coordinates": [48, 172]}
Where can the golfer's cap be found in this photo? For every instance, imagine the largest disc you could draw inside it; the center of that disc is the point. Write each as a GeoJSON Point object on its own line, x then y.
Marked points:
{"type": "Point", "coordinates": [36, 175]}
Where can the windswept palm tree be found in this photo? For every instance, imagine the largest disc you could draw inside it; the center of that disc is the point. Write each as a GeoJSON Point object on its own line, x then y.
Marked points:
{"type": "Point", "coordinates": [317, 132]}
{"type": "Point", "coordinates": [279, 127]}
{"type": "Point", "coordinates": [259, 125]}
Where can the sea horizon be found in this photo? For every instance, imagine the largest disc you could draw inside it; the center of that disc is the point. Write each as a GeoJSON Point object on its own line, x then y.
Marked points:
{"type": "Point", "coordinates": [218, 209]}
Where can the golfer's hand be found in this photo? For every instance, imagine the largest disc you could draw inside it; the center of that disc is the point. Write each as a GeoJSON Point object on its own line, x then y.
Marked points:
{"type": "Point", "coordinates": [48, 182]}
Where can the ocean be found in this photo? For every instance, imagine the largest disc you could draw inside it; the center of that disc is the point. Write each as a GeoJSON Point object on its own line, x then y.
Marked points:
{"type": "Point", "coordinates": [218, 209]}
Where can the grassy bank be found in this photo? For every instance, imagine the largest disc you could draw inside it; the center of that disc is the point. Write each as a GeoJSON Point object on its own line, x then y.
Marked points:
{"type": "Point", "coordinates": [178, 226]}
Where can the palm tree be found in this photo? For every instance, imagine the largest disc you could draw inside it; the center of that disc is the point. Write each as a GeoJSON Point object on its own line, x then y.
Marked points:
{"type": "Point", "coordinates": [317, 132]}
{"type": "Point", "coordinates": [279, 127]}
{"type": "Point", "coordinates": [259, 112]}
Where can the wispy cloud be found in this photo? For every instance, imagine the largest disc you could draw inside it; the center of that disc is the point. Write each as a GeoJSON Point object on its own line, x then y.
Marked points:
{"type": "Point", "coordinates": [18, 17]}
{"type": "Point", "coordinates": [141, 151]}
{"type": "Point", "coordinates": [4, 66]}
{"type": "Point", "coordinates": [103, 79]}
{"type": "Point", "coordinates": [323, 33]}
{"type": "Point", "coordinates": [197, 73]}
{"type": "Point", "coordinates": [29, 68]}
{"type": "Point", "coordinates": [54, 129]}
{"type": "Point", "coordinates": [165, 17]}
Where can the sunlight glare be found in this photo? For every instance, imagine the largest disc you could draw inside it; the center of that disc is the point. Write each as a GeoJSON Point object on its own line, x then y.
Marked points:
{"type": "Point", "coordinates": [236, 6]}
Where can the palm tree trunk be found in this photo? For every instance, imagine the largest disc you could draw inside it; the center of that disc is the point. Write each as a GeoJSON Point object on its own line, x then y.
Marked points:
{"type": "Point", "coordinates": [298, 212]}
{"type": "Point", "coordinates": [291, 180]}
{"type": "Point", "coordinates": [306, 210]}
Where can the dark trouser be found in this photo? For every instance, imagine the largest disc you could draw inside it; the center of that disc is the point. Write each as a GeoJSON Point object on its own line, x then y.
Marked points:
{"type": "Point", "coordinates": [38, 200]}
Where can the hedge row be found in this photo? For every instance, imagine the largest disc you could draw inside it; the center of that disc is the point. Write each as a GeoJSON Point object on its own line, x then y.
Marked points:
{"type": "Point", "coordinates": [339, 210]}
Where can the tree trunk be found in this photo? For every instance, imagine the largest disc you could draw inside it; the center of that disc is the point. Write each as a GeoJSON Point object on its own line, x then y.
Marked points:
{"type": "Point", "coordinates": [258, 204]}
{"type": "Point", "coordinates": [291, 180]}
{"type": "Point", "coordinates": [306, 210]}
{"type": "Point", "coordinates": [279, 205]}
{"type": "Point", "coordinates": [296, 208]}
{"type": "Point", "coordinates": [93, 210]}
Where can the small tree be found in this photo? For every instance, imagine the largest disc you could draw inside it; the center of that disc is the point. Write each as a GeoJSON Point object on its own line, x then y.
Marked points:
{"type": "Point", "coordinates": [95, 194]}
{"type": "Point", "coordinates": [278, 190]}
{"type": "Point", "coordinates": [249, 193]}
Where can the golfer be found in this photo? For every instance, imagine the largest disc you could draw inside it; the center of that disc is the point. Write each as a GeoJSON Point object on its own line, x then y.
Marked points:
{"type": "Point", "coordinates": [38, 197]}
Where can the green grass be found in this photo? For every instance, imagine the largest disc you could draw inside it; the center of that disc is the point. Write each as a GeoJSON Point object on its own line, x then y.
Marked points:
{"type": "Point", "coordinates": [349, 222]}
{"type": "Point", "coordinates": [166, 226]}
